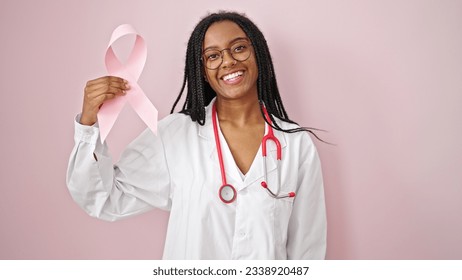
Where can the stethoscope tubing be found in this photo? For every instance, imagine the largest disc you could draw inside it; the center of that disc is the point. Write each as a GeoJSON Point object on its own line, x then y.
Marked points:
{"type": "Point", "coordinates": [220, 155]}
{"type": "Point", "coordinates": [224, 185]}
{"type": "Point", "coordinates": [269, 136]}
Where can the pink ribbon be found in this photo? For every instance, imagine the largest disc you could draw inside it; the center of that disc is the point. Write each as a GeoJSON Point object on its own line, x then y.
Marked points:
{"type": "Point", "coordinates": [131, 72]}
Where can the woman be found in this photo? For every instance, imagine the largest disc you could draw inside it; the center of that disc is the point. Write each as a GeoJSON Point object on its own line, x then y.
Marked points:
{"type": "Point", "coordinates": [205, 165]}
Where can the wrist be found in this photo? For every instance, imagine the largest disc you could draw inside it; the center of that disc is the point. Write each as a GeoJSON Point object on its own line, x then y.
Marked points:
{"type": "Point", "coordinates": [85, 120]}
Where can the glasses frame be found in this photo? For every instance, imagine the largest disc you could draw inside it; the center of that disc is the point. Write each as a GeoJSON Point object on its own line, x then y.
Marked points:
{"type": "Point", "coordinates": [204, 60]}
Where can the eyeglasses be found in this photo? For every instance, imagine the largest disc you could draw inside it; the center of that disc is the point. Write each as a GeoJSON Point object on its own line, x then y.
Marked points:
{"type": "Point", "coordinates": [240, 51]}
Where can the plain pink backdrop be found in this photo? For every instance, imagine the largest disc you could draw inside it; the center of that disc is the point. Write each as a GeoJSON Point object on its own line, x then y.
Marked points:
{"type": "Point", "coordinates": [383, 77]}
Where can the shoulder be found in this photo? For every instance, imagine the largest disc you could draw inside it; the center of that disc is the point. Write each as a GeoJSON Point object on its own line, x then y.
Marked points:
{"type": "Point", "coordinates": [167, 127]}
{"type": "Point", "coordinates": [286, 125]}
{"type": "Point", "coordinates": [174, 121]}
{"type": "Point", "coordinates": [301, 136]}
{"type": "Point", "coordinates": [301, 141]}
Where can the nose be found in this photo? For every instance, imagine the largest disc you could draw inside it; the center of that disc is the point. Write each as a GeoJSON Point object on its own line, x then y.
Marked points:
{"type": "Point", "coordinates": [228, 59]}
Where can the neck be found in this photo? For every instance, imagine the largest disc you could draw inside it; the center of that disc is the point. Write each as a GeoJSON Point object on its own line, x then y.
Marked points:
{"type": "Point", "coordinates": [239, 112]}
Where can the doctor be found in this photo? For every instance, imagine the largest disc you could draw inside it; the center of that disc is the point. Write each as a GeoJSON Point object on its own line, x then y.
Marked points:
{"type": "Point", "coordinates": [207, 165]}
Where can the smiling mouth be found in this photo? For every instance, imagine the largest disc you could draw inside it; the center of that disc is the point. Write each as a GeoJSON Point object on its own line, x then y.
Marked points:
{"type": "Point", "coordinates": [232, 76]}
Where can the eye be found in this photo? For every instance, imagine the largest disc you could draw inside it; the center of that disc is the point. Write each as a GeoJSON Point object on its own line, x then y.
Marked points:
{"type": "Point", "coordinates": [211, 56]}
{"type": "Point", "coordinates": [239, 48]}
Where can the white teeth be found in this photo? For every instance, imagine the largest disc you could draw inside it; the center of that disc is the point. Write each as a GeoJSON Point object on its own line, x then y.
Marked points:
{"type": "Point", "coordinates": [232, 75]}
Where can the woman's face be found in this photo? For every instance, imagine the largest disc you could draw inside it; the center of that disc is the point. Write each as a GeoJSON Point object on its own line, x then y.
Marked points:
{"type": "Point", "coordinates": [233, 79]}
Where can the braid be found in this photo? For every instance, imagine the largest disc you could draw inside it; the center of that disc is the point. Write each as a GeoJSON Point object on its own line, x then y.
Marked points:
{"type": "Point", "coordinates": [200, 93]}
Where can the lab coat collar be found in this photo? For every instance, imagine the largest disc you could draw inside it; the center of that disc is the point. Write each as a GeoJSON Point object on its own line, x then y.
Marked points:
{"type": "Point", "coordinates": [206, 130]}
{"type": "Point", "coordinates": [232, 173]}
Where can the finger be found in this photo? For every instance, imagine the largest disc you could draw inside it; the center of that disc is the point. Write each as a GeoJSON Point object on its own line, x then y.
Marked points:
{"type": "Point", "coordinates": [96, 98]}
{"type": "Point", "coordinates": [104, 90]}
{"type": "Point", "coordinates": [95, 87]}
{"type": "Point", "coordinates": [103, 87]}
{"type": "Point", "coordinates": [117, 84]}
{"type": "Point", "coordinates": [100, 99]}
{"type": "Point", "coordinates": [105, 79]}
{"type": "Point", "coordinates": [122, 85]}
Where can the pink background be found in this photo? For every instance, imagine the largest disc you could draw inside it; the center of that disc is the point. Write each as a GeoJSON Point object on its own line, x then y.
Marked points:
{"type": "Point", "coordinates": [383, 77]}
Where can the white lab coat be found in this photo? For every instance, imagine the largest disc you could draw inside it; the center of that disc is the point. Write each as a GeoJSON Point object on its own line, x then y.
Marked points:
{"type": "Point", "coordinates": [178, 171]}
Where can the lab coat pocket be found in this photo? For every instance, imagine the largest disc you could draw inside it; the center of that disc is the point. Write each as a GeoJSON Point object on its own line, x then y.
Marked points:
{"type": "Point", "coordinates": [282, 212]}
{"type": "Point", "coordinates": [283, 205]}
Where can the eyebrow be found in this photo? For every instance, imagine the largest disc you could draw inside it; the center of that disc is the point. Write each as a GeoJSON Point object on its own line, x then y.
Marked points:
{"type": "Point", "coordinates": [230, 43]}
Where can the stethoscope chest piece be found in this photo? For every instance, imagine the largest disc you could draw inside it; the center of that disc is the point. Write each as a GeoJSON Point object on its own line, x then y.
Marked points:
{"type": "Point", "coordinates": [227, 193]}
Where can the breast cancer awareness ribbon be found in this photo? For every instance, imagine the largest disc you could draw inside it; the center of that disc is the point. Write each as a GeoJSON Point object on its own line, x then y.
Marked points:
{"type": "Point", "coordinates": [131, 72]}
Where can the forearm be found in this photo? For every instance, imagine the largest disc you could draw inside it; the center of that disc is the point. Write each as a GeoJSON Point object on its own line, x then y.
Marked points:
{"type": "Point", "coordinates": [95, 183]}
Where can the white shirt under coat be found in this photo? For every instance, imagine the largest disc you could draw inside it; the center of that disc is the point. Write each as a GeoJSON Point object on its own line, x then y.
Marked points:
{"type": "Point", "coordinates": [178, 170]}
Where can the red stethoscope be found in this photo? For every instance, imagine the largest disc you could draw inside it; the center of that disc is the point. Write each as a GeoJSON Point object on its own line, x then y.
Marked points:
{"type": "Point", "coordinates": [227, 192]}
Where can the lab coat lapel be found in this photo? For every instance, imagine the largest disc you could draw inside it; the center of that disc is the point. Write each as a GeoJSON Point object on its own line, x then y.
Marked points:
{"type": "Point", "coordinates": [206, 132]}
{"type": "Point", "coordinates": [256, 171]}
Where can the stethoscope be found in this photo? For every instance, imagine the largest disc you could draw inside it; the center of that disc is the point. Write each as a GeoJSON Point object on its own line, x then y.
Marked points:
{"type": "Point", "coordinates": [227, 192]}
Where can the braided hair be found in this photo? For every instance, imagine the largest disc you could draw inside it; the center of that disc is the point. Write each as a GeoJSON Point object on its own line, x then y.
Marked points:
{"type": "Point", "coordinates": [200, 93]}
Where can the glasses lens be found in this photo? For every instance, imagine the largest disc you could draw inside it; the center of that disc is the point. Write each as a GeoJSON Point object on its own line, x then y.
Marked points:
{"type": "Point", "coordinates": [240, 51]}
{"type": "Point", "coordinates": [212, 59]}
